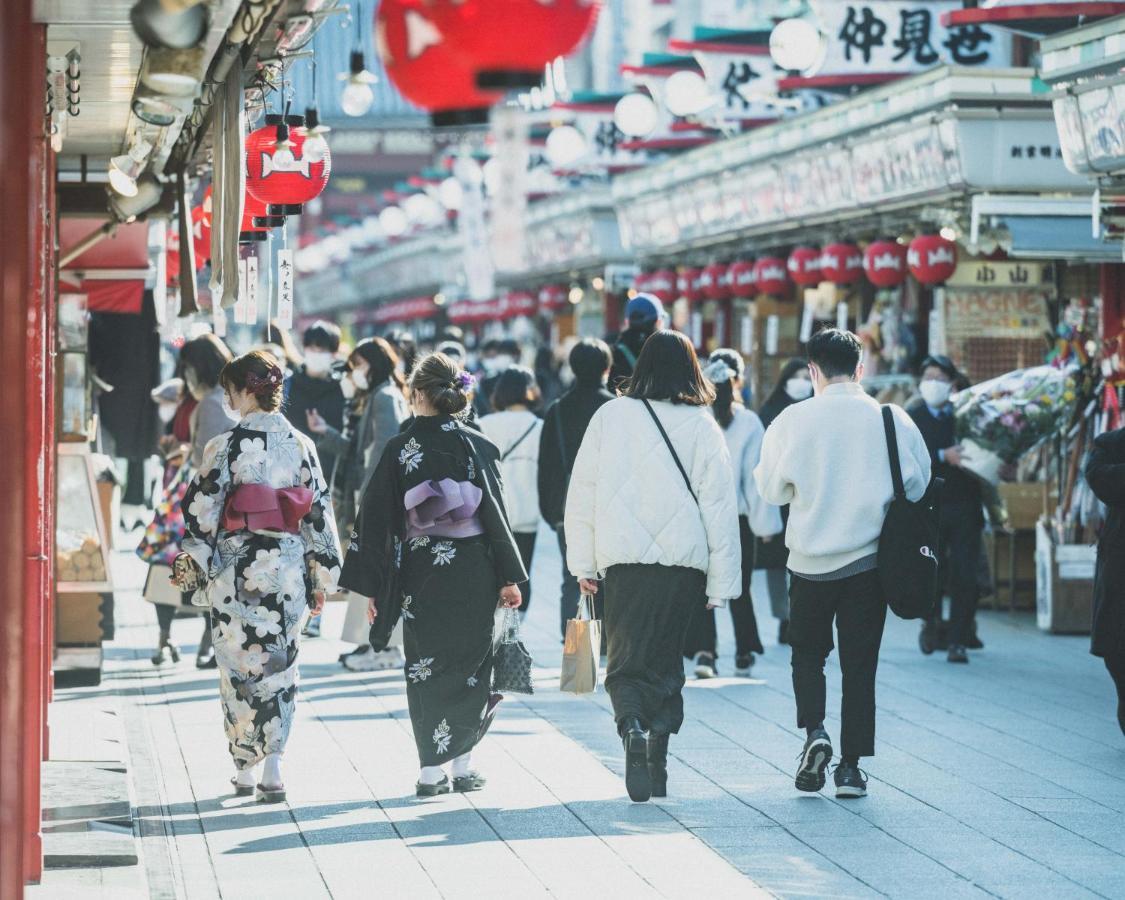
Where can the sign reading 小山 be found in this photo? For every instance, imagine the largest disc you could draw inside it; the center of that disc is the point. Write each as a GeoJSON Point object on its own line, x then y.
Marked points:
{"type": "Point", "coordinates": [990, 274]}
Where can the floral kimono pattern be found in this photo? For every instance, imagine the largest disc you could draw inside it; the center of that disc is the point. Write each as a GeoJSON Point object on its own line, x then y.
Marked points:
{"type": "Point", "coordinates": [258, 583]}
{"type": "Point", "coordinates": [447, 587]}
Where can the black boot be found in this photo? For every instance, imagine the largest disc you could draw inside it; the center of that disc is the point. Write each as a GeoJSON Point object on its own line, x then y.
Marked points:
{"type": "Point", "coordinates": [635, 740]}
{"type": "Point", "coordinates": [658, 764]}
{"type": "Point", "coordinates": [927, 638]}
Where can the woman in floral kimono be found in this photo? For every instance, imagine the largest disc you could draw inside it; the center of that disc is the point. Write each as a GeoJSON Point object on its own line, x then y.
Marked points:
{"type": "Point", "coordinates": [261, 544]}
{"type": "Point", "coordinates": [433, 545]}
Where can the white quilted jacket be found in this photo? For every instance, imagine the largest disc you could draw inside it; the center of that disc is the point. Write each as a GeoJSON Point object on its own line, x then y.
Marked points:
{"type": "Point", "coordinates": [628, 503]}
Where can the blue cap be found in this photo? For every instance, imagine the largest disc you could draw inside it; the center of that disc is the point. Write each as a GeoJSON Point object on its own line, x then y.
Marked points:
{"type": "Point", "coordinates": [644, 308]}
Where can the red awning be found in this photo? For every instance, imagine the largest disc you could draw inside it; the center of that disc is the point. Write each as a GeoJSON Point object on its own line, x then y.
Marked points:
{"type": "Point", "coordinates": [405, 310]}
{"type": "Point", "coordinates": [1035, 19]}
{"type": "Point", "coordinates": [111, 272]}
{"type": "Point", "coordinates": [113, 295]}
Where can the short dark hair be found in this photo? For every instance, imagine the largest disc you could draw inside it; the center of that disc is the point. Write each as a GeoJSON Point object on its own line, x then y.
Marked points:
{"type": "Point", "coordinates": [513, 386]}
{"type": "Point", "coordinates": [322, 334]}
{"type": "Point", "coordinates": [835, 352]}
{"type": "Point", "coordinates": [206, 355]}
{"type": "Point", "coordinates": [381, 357]}
{"type": "Point", "coordinates": [590, 359]}
{"type": "Point", "coordinates": [668, 369]}
{"type": "Point", "coordinates": [509, 346]}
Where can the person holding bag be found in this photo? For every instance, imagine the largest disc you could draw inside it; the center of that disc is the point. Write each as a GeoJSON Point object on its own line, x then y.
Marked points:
{"type": "Point", "coordinates": [432, 546]}
{"type": "Point", "coordinates": [664, 536]}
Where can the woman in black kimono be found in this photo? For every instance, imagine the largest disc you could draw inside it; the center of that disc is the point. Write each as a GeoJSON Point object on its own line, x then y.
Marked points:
{"type": "Point", "coordinates": [432, 545]}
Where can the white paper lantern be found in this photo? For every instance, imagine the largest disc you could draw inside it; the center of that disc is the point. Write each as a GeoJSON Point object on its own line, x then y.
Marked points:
{"type": "Point", "coordinates": [394, 221]}
{"type": "Point", "coordinates": [468, 171]}
{"type": "Point", "coordinates": [565, 146]}
{"type": "Point", "coordinates": [636, 115]}
{"type": "Point", "coordinates": [421, 209]}
{"type": "Point", "coordinates": [797, 45]}
{"type": "Point", "coordinates": [450, 193]}
{"type": "Point", "coordinates": [686, 94]}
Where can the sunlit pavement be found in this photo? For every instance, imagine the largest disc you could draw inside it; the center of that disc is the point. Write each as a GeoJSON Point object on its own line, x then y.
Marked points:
{"type": "Point", "coordinates": [1003, 778]}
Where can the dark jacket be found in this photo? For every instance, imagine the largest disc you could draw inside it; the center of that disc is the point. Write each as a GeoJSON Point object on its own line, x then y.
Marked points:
{"type": "Point", "coordinates": [625, 353]}
{"type": "Point", "coordinates": [322, 394]}
{"type": "Point", "coordinates": [773, 554]}
{"type": "Point", "coordinates": [1105, 473]}
{"type": "Point", "coordinates": [567, 418]}
{"type": "Point", "coordinates": [961, 494]}
{"type": "Point", "coordinates": [776, 403]}
{"type": "Point", "coordinates": [432, 448]}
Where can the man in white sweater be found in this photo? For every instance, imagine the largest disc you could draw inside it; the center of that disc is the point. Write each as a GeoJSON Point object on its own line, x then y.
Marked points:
{"type": "Point", "coordinates": [827, 459]}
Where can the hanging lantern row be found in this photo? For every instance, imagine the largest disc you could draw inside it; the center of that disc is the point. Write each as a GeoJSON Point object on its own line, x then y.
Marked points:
{"type": "Point", "coordinates": [930, 258]}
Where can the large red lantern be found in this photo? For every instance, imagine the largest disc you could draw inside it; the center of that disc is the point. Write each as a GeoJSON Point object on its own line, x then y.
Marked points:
{"type": "Point", "coordinates": [931, 258]}
{"type": "Point", "coordinates": [506, 43]}
{"type": "Point", "coordinates": [277, 171]}
{"type": "Point", "coordinates": [553, 297]}
{"type": "Point", "coordinates": [884, 262]}
{"type": "Point", "coordinates": [771, 275]}
{"type": "Point", "coordinates": [804, 266]}
{"type": "Point", "coordinates": [713, 282]}
{"type": "Point", "coordinates": [841, 263]}
{"type": "Point", "coordinates": [662, 285]}
{"type": "Point", "coordinates": [201, 235]}
{"type": "Point", "coordinates": [253, 228]}
{"type": "Point", "coordinates": [742, 279]}
{"type": "Point", "coordinates": [421, 60]}
{"type": "Point", "coordinates": [688, 284]}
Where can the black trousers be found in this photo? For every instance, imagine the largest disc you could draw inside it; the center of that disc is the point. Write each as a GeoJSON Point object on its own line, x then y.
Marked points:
{"type": "Point", "coordinates": [960, 530]}
{"type": "Point", "coordinates": [702, 635]}
{"type": "Point", "coordinates": [647, 609]}
{"type": "Point", "coordinates": [568, 605]}
{"type": "Point", "coordinates": [860, 611]}
{"type": "Point", "coordinates": [525, 541]}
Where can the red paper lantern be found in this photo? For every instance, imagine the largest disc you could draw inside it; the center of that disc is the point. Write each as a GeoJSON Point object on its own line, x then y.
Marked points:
{"type": "Point", "coordinates": [518, 303]}
{"type": "Point", "coordinates": [641, 282]}
{"type": "Point", "coordinates": [841, 263]}
{"type": "Point", "coordinates": [283, 177]}
{"type": "Point", "coordinates": [201, 236]}
{"type": "Point", "coordinates": [713, 282]}
{"type": "Point", "coordinates": [931, 258]}
{"type": "Point", "coordinates": [771, 275]}
{"type": "Point", "coordinates": [884, 262]}
{"type": "Point", "coordinates": [688, 284]}
{"type": "Point", "coordinates": [742, 279]}
{"type": "Point", "coordinates": [172, 258]}
{"type": "Point", "coordinates": [421, 61]}
{"type": "Point", "coordinates": [506, 43]}
{"type": "Point", "coordinates": [553, 297]}
{"type": "Point", "coordinates": [804, 266]}
{"type": "Point", "coordinates": [253, 212]}
{"type": "Point", "coordinates": [662, 285]}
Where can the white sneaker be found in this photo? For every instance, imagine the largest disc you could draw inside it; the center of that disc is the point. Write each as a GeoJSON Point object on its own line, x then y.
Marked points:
{"type": "Point", "coordinates": [370, 661]}
{"type": "Point", "coordinates": [704, 665]}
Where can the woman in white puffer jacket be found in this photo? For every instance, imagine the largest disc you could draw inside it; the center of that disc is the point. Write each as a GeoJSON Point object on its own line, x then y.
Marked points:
{"type": "Point", "coordinates": [662, 534]}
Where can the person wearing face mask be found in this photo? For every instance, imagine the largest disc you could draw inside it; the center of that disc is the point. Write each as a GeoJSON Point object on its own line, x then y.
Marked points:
{"type": "Point", "coordinates": [374, 387]}
{"type": "Point", "coordinates": [961, 511]}
{"type": "Point", "coordinates": [316, 385]}
{"type": "Point", "coordinates": [770, 556]}
{"type": "Point", "coordinates": [495, 361]}
{"type": "Point", "coordinates": [827, 458]}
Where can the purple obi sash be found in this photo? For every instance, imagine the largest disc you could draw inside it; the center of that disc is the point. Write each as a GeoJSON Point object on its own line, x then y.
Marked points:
{"type": "Point", "coordinates": [445, 508]}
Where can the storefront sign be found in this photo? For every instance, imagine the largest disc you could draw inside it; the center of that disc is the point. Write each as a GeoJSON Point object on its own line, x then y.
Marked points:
{"type": "Point", "coordinates": [913, 161]}
{"type": "Point", "coordinates": [989, 274]}
{"type": "Point", "coordinates": [1001, 313]}
{"type": "Point", "coordinates": [745, 84]}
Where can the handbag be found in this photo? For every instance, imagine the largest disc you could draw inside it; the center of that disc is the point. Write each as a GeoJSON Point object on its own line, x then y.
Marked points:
{"type": "Point", "coordinates": [581, 650]}
{"type": "Point", "coordinates": [908, 544]}
{"type": "Point", "coordinates": [511, 663]}
{"type": "Point", "coordinates": [160, 544]}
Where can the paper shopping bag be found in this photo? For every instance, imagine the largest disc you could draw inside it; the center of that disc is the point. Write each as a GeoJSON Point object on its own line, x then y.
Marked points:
{"type": "Point", "coordinates": [581, 651]}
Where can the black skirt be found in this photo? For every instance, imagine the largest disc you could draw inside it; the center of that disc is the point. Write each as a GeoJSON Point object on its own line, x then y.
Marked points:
{"type": "Point", "coordinates": [449, 597]}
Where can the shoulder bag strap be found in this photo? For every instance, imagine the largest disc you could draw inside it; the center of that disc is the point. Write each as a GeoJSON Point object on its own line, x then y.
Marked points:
{"type": "Point", "coordinates": [671, 449]}
{"type": "Point", "coordinates": [892, 452]}
{"type": "Point", "coordinates": [519, 441]}
{"type": "Point", "coordinates": [630, 356]}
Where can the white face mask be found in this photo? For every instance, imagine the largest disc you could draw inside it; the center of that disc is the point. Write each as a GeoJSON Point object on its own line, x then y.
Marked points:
{"type": "Point", "coordinates": [935, 393]}
{"type": "Point", "coordinates": [348, 386]}
{"type": "Point", "coordinates": [798, 389]}
{"type": "Point", "coordinates": [359, 378]}
{"type": "Point", "coordinates": [230, 411]}
{"type": "Point", "coordinates": [504, 362]}
{"type": "Point", "coordinates": [318, 362]}
{"type": "Point", "coordinates": [166, 411]}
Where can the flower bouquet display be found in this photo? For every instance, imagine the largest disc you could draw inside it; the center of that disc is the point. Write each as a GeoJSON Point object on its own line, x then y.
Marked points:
{"type": "Point", "coordinates": [999, 421]}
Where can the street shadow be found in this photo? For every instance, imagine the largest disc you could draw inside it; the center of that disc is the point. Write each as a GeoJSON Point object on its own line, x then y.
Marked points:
{"type": "Point", "coordinates": [241, 812]}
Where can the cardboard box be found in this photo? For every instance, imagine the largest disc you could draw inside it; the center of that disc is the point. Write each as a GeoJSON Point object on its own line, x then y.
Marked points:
{"type": "Point", "coordinates": [1064, 584]}
{"type": "Point", "coordinates": [78, 618]}
{"type": "Point", "coordinates": [1026, 502]}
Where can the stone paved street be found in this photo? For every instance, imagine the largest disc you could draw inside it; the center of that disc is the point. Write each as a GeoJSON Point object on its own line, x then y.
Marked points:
{"type": "Point", "coordinates": [1003, 778]}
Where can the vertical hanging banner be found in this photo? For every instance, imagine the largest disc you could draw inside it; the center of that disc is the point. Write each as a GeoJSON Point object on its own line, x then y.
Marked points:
{"type": "Point", "coordinates": [511, 154]}
{"type": "Point", "coordinates": [241, 303]}
{"type": "Point", "coordinates": [773, 330]}
{"type": "Point", "coordinates": [476, 260]}
{"type": "Point", "coordinates": [842, 316]}
{"type": "Point", "coordinates": [285, 288]}
{"type": "Point", "coordinates": [252, 290]}
{"type": "Point", "coordinates": [745, 83]}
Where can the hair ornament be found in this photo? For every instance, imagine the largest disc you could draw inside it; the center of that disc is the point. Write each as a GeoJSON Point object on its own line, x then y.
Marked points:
{"type": "Point", "coordinates": [463, 382]}
{"type": "Point", "coordinates": [718, 371]}
{"type": "Point", "coordinates": [259, 384]}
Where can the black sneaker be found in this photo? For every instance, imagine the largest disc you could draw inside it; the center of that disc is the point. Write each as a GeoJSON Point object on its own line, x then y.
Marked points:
{"type": "Point", "coordinates": [744, 665]}
{"type": "Point", "coordinates": [850, 782]}
{"type": "Point", "coordinates": [927, 638]}
{"type": "Point", "coordinates": [957, 654]}
{"type": "Point", "coordinates": [814, 760]}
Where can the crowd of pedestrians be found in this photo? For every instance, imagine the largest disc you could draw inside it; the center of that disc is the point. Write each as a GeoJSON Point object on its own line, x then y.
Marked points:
{"type": "Point", "coordinates": [665, 490]}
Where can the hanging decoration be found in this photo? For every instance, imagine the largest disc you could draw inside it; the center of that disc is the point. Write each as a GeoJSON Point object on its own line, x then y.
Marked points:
{"type": "Point", "coordinates": [931, 258]}
{"type": "Point", "coordinates": [713, 282]}
{"type": "Point", "coordinates": [172, 259]}
{"type": "Point", "coordinates": [201, 234]}
{"type": "Point", "coordinates": [254, 211]}
{"type": "Point", "coordinates": [688, 284]}
{"type": "Point", "coordinates": [662, 285]}
{"type": "Point", "coordinates": [278, 172]}
{"type": "Point", "coordinates": [771, 275]}
{"type": "Point", "coordinates": [804, 266]}
{"type": "Point", "coordinates": [553, 297]}
{"type": "Point", "coordinates": [742, 277]}
{"type": "Point", "coordinates": [884, 263]}
{"type": "Point", "coordinates": [424, 67]}
{"type": "Point", "coordinates": [841, 263]}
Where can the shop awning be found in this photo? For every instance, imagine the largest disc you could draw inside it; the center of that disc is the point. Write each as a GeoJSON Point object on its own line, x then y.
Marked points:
{"type": "Point", "coordinates": [1034, 19]}
{"type": "Point", "coordinates": [1043, 227]}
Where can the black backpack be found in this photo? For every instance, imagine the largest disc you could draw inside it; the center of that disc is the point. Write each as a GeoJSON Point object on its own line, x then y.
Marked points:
{"type": "Point", "coordinates": [908, 545]}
